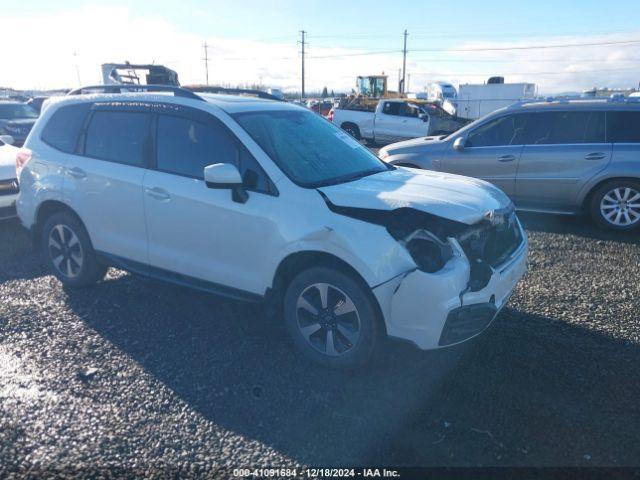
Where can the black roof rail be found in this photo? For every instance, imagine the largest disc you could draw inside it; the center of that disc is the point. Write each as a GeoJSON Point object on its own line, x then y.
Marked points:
{"type": "Point", "coordinates": [117, 88]}
{"type": "Point", "coordinates": [232, 91]}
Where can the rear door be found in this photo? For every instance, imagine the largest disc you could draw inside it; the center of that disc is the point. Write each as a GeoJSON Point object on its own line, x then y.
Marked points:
{"type": "Point", "coordinates": [491, 152]}
{"type": "Point", "coordinates": [387, 122]}
{"type": "Point", "coordinates": [104, 183]}
{"type": "Point", "coordinates": [563, 150]}
{"type": "Point", "coordinates": [623, 130]}
{"type": "Point", "coordinates": [400, 121]}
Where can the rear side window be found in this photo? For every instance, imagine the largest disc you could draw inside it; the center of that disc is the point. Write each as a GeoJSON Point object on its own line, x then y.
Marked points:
{"type": "Point", "coordinates": [186, 146]}
{"type": "Point", "coordinates": [391, 108]}
{"type": "Point", "coordinates": [121, 137]}
{"type": "Point", "coordinates": [63, 128]}
{"type": "Point", "coordinates": [623, 127]}
{"type": "Point", "coordinates": [554, 128]}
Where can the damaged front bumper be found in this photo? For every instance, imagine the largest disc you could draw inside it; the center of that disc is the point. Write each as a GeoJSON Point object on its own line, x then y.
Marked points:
{"type": "Point", "coordinates": [433, 310]}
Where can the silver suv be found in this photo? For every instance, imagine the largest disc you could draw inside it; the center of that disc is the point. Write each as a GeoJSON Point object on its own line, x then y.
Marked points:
{"type": "Point", "coordinates": [567, 157]}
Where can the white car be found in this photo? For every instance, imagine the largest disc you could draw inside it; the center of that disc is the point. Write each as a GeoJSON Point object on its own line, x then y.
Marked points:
{"type": "Point", "coordinates": [393, 120]}
{"type": "Point", "coordinates": [266, 201]}
{"type": "Point", "coordinates": [8, 181]}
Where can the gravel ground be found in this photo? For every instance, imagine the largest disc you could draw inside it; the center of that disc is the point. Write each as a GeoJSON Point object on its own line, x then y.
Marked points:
{"type": "Point", "coordinates": [138, 374]}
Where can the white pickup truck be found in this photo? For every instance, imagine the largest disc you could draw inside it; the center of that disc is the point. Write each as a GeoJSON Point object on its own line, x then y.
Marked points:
{"type": "Point", "coordinates": [394, 120]}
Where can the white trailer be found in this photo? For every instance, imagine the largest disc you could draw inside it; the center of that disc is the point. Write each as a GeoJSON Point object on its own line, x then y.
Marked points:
{"type": "Point", "coordinates": [475, 101]}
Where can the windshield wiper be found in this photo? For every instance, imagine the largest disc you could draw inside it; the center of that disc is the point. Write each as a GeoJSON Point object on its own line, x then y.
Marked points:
{"type": "Point", "coordinates": [348, 178]}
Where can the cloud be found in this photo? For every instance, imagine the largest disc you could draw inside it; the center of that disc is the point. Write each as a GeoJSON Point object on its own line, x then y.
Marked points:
{"type": "Point", "coordinates": [57, 48]}
{"type": "Point", "coordinates": [553, 70]}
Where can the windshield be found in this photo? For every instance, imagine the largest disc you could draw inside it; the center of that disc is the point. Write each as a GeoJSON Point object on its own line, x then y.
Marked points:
{"type": "Point", "coordinates": [311, 151]}
{"type": "Point", "coordinates": [13, 111]}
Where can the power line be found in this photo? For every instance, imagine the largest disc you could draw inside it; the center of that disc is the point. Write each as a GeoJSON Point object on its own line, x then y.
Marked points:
{"type": "Point", "coordinates": [481, 49]}
{"type": "Point", "coordinates": [358, 54]}
{"type": "Point", "coordinates": [527, 47]}
{"type": "Point", "coordinates": [574, 72]}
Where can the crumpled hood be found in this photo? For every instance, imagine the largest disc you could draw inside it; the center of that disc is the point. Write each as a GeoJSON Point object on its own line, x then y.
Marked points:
{"type": "Point", "coordinates": [454, 197]}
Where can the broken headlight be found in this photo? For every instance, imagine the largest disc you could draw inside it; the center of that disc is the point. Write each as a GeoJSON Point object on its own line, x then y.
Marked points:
{"type": "Point", "coordinates": [428, 251]}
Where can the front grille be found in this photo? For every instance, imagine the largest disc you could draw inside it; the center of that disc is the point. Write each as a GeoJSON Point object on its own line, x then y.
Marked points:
{"type": "Point", "coordinates": [493, 243]}
{"type": "Point", "coordinates": [9, 187]}
{"type": "Point", "coordinates": [488, 245]}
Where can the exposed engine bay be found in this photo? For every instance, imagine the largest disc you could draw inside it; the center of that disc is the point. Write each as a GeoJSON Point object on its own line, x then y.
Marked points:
{"type": "Point", "coordinates": [431, 240]}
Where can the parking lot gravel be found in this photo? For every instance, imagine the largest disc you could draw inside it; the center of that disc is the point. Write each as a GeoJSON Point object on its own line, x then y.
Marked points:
{"type": "Point", "coordinates": [139, 375]}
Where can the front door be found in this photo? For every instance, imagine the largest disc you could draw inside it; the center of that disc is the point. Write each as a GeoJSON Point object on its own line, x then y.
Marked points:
{"type": "Point", "coordinates": [491, 152]}
{"type": "Point", "coordinates": [202, 232]}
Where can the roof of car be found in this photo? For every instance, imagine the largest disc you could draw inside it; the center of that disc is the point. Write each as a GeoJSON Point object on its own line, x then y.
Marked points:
{"type": "Point", "coordinates": [228, 103]}
{"type": "Point", "coordinates": [578, 104]}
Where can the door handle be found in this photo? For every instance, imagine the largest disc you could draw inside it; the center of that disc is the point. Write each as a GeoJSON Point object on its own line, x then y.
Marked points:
{"type": "Point", "coordinates": [157, 193]}
{"type": "Point", "coordinates": [595, 156]}
{"type": "Point", "coordinates": [76, 172]}
{"type": "Point", "coordinates": [507, 158]}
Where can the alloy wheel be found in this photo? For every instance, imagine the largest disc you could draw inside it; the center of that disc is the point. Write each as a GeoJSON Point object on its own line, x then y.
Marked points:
{"type": "Point", "coordinates": [621, 206]}
{"type": "Point", "coordinates": [65, 251]}
{"type": "Point", "coordinates": [328, 319]}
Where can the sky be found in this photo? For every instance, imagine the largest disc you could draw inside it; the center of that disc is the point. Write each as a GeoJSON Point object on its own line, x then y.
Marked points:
{"type": "Point", "coordinates": [62, 44]}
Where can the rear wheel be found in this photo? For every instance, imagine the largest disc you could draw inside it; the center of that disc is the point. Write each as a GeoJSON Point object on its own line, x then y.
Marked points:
{"type": "Point", "coordinates": [331, 318]}
{"type": "Point", "coordinates": [66, 250]}
{"type": "Point", "coordinates": [616, 205]}
{"type": "Point", "coordinates": [352, 130]}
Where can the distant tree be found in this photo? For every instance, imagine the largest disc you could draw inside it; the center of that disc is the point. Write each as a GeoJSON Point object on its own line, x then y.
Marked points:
{"type": "Point", "coordinates": [325, 94]}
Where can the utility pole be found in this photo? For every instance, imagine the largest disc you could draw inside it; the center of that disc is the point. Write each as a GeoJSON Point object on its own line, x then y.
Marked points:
{"type": "Point", "coordinates": [206, 61]}
{"type": "Point", "coordinates": [404, 60]}
{"type": "Point", "coordinates": [75, 58]}
{"type": "Point", "coordinates": [302, 42]}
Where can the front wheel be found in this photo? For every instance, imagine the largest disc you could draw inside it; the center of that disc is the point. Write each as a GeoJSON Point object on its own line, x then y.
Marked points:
{"type": "Point", "coordinates": [331, 318]}
{"type": "Point", "coordinates": [616, 205]}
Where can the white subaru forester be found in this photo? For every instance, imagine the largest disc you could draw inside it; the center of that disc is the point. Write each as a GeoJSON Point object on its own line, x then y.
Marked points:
{"type": "Point", "coordinates": [266, 201]}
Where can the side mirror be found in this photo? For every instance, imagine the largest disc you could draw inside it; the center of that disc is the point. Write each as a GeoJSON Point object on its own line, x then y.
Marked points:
{"type": "Point", "coordinates": [458, 144]}
{"type": "Point", "coordinates": [226, 176]}
{"type": "Point", "coordinates": [8, 139]}
{"type": "Point", "coordinates": [424, 117]}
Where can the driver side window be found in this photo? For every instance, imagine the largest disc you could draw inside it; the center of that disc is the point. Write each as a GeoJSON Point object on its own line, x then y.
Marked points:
{"type": "Point", "coordinates": [185, 146]}
{"type": "Point", "coordinates": [506, 130]}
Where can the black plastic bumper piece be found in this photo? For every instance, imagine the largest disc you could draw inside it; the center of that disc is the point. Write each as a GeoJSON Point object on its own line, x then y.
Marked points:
{"type": "Point", "coordinates": [7, 212]}
{"type": "Point", "coordinates": [466, 321]}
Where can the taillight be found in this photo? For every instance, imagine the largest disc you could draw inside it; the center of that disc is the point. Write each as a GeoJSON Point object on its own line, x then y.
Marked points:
{"type": "Point", "coordinates": [22, 157]}
{"type": "Point", "coordinates": [330, 116]}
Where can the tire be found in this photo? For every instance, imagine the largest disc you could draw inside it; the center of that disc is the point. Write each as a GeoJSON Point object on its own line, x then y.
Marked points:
{"type": "Point", "coordinates": [346, 340]}
{"type": "Point", "coordinates": [615, 205]}
{"type": "Point", "coordinates": [352, 130]}
{"type": "Point", "coordinates": [66, 250]}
